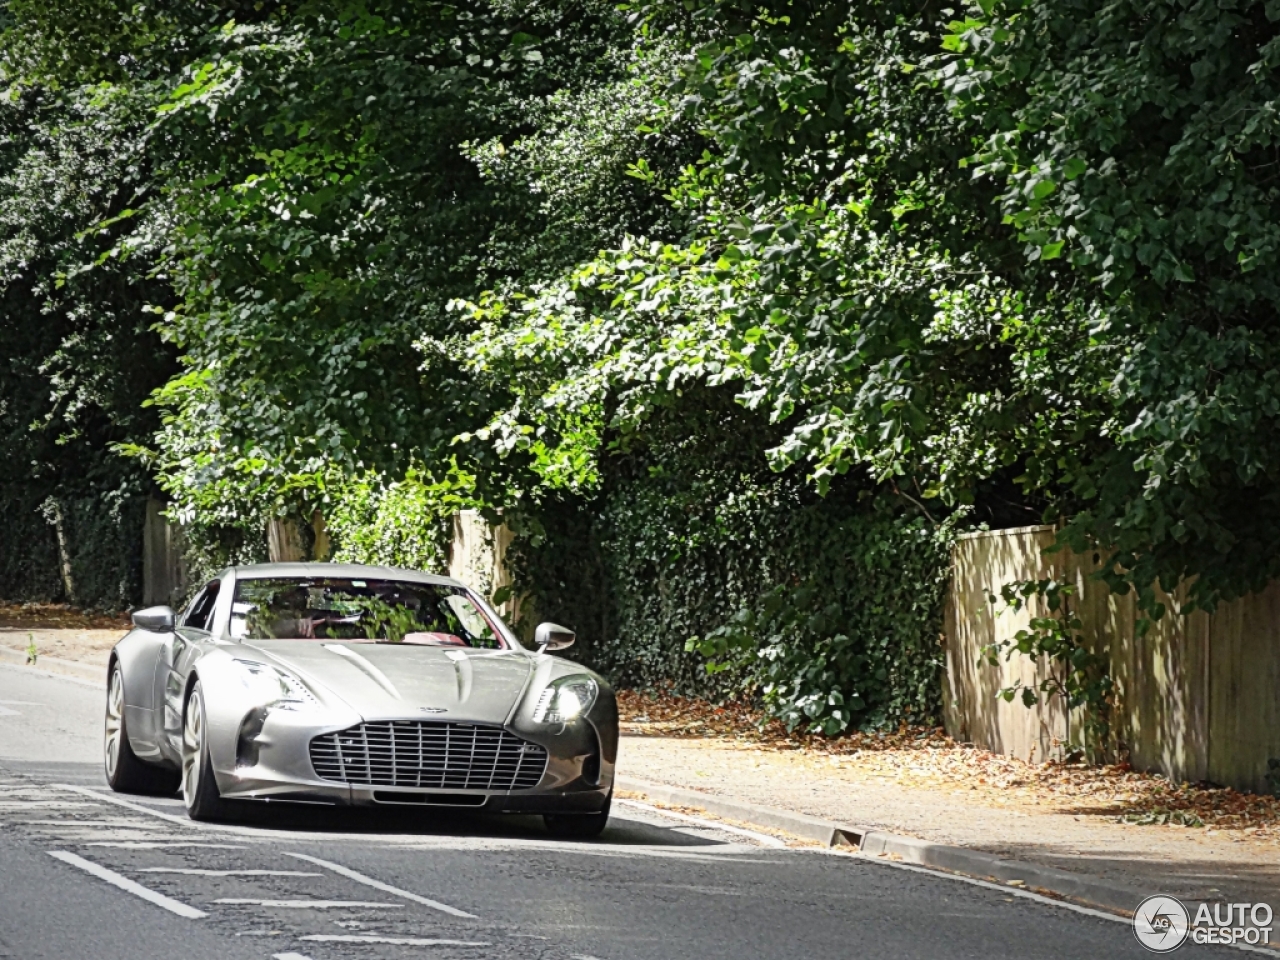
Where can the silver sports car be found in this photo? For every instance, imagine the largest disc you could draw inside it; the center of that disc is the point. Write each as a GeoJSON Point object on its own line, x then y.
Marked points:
{"type": "Point", "coordinates": [336, 684]}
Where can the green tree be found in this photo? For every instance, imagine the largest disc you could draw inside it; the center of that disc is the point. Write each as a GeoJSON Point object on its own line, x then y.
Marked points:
{"type": "Point", "coordinates": [77, 358]}
{"type": "Point", "coordinates": [1134, 145]}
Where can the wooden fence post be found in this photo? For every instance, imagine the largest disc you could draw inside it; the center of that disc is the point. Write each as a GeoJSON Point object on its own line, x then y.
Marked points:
{"type": "Point", "coordinates": [164, 569]}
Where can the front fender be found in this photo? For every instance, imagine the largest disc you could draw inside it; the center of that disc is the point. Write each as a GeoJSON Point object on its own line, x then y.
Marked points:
{"type": "Point", "coordinates": [570, 746]}
{"type": "Point", "coordinates": [228, 703]}
{"type": "Point", "coordinates": [137, 653]}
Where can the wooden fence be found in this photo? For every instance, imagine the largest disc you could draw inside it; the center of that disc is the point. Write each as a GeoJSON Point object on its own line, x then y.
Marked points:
{"type": "Point", "coordinates": [164, 568]}
{"type": "Point", "coordinates": [1197, 696]}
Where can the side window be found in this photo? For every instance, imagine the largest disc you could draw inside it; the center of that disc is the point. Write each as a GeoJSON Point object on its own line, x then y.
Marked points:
{"type": "Point", "coordinates": [197, 600]}
{"type": "Point", "coordinates": [199, 615]}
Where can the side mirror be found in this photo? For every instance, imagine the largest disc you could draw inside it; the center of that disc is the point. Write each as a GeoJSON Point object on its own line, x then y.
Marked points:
{"type": "Point", "coordinates": [155, 619]}
{"type": "Point", "coordinates": [552, 636]}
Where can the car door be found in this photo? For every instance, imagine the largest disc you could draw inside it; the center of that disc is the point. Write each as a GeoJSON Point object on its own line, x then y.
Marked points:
{"type": "Point", "coordinates": [174, 663]}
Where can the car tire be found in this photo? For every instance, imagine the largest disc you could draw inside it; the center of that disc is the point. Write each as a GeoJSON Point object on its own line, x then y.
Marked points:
{"type": "Point", "coordinates": [199, 788]}
{"type": "Point", "coordinates": [125, 772]}
{"type": "Point", "coordinates": [578, 826]}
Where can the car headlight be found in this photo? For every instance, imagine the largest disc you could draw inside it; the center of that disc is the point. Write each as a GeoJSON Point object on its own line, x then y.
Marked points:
{"type": "Point", "coordinates": [566, 700]}
{"type": "Point", "coordinates": [274, 687]}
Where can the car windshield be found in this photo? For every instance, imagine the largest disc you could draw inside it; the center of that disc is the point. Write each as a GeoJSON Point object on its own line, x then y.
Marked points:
{"type": "Point", "coordinates": [369, 611]}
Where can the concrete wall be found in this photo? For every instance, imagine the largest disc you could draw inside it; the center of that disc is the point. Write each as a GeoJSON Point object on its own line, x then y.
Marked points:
{"type": "Point", "coordinates": [478, 557]}
{"type": "Point", "coordinates": [1197, 696]}
{"type": "Point", "coordinates": [288, 542]}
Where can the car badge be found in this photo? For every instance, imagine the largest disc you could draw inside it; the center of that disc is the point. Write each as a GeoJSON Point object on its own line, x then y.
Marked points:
{"type": "Point", "coordinates": [433, 709]}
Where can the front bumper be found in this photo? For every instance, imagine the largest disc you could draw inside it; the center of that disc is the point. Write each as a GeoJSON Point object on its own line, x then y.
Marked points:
{"type": "Point", "coordinates": [277, 766]}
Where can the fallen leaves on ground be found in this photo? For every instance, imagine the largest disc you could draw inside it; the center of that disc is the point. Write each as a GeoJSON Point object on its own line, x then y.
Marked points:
{"type": "Point", "coordinates": [57, 616]}
{"type": "Point", "coordinates": [927, 758]}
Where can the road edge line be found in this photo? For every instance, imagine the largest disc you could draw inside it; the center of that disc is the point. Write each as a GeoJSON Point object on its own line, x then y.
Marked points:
{"type": "Point", "coordinates": [767, 839]}
{"type": "Point", "coordinates": [953, 860]}
{"type": "Point", "coordinates": [85, 674]}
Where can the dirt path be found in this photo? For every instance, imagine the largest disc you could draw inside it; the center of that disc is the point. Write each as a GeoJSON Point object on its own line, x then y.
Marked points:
{"type": "Point", "coordinates": [60, 632]}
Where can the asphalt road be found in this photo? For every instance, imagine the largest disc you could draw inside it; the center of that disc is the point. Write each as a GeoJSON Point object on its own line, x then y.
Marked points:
{"type": "Point", "coordinates": [86, 874]}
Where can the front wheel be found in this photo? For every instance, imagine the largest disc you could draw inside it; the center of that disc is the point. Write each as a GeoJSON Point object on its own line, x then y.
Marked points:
{"type": "Point", "coordinates": [199, 789]}
{"type": "Point", "coordinates": [578, 826]}
{"type": "Point", "coordinates": [125, 772]}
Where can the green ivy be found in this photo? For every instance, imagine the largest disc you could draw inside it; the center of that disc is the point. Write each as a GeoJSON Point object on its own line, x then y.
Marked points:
{"type": "Point", "coordinates": [698, 568]}
{"type": "Point", "coordinates": [29, 555]}
{"type": "Point", "coordinates": [103, 535]}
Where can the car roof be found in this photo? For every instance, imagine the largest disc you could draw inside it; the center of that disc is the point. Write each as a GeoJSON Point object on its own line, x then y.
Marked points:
{"type": "Point", "coordinates": [358, 571]}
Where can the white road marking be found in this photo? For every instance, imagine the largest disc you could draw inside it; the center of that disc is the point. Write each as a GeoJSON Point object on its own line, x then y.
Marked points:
{"type": "Point", "coordinates": [307, 904]}
{"type": "Point", "coordinates": [124, 883]}
{"type": "Point", "coordinates": [28, 671]}
{"type": "Point", "coordinates": [395, 941]}
{"type": "Point", "coordinates": [6, 712]}
{"type": "Point", "coordinates": [161, 845]}
{"type": "Point", "coordinates": [763, 838]}
{"type": "Point", "coordinates": [194, 872]}
{"type": "Point", "coordinates": [972, 881]}
{"type": "Point", "coordinates": [45, 804]}
{"type": "Point", "coordinates": [70, 822]}
{"type": "Point", "coordinates": [384, 887]}
{"type": "Point", "coordinates": [288, 956]}
{"type": "Point", "coordinates": [582, 956]}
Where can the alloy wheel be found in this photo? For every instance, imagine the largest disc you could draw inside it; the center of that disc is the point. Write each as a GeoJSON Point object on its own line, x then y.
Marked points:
{"type": "Point", "coordinates": [115, 722]}
{"type": "Point", "coordinates": [192, 748]}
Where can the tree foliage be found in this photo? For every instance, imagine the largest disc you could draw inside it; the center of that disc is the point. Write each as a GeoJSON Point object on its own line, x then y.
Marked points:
{"type": "Point", "coordinates": [943, 250]}
{"type": "Point", "coordinates": [1136, 143]}
{"type": "Point", "coordinates": [669, 282]}
{"type": "Point", "coordinates": [77, 360]}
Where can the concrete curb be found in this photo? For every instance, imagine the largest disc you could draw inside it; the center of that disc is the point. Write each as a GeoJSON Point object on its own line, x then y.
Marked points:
{"type": "Point", "coordinates": [797, 824]}
{"type": "Point", "coordinates": [66, 668]}
{"type": "Point", "coordinates": [1093, 891]}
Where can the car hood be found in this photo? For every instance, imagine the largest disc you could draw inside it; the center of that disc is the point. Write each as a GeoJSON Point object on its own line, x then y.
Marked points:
{"type": "Point", "coordinates": [383, 680]}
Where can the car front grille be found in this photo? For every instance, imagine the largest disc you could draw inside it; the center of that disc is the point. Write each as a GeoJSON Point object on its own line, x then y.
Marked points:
{"type": "Point", "coordinates": [429, 753]}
